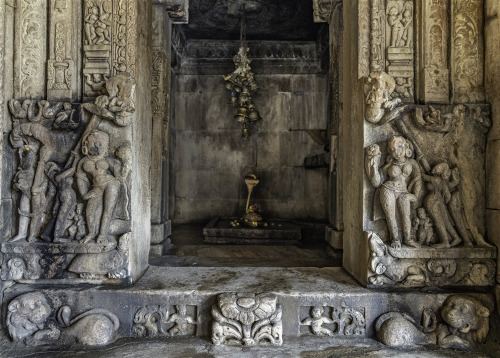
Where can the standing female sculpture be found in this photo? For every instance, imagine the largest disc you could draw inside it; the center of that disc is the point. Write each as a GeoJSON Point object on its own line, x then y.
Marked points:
{"type": "Point", "coordinates": [399, 182]}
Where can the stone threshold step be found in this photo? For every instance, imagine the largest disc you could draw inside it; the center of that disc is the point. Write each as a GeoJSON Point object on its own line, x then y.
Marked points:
{"type": "Point", "coordinates": [196, 347]}
{"type": "Point", "coordinates": [164, 291]}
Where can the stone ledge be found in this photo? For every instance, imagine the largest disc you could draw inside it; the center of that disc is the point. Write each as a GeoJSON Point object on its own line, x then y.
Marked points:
{"type": "Point", "coordinates": [297, 291]}
{"type": "Point", "coordinates": [59, 248]}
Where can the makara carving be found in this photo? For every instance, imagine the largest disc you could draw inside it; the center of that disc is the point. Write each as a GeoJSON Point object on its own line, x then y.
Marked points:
{"type": "Point", "coordinates": [30, 319]}
{"type": "Point", "coordinates": [343, 321]}
{"type": "Point", "coordinates": [465, 320]}
{"type": "Point", "coordinates": [247, 319]}
{"type": "Point", "coordinates": [153, 321]}
{"type": "Point", "coordinates": [380, 107]}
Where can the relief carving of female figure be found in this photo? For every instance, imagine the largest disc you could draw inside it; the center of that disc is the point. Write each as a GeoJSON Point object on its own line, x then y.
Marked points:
{"type": "Point", "coordinates": [106, 174]}
{"type": "Point", "coordinates": [399, 184]}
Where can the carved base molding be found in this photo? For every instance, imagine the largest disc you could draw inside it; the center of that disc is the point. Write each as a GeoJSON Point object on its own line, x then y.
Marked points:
{"type": "Point", "coordinates": [413, 267]}
{"type": "Point", "coordinates": [187, 301]}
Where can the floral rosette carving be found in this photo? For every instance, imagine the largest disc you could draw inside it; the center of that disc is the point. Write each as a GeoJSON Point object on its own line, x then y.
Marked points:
{"type": "Point", "coordinates": [248, 319]}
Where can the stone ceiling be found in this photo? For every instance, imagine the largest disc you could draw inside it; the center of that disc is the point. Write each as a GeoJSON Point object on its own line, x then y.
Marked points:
{"type": "Point", "coordinates": [274, 20]}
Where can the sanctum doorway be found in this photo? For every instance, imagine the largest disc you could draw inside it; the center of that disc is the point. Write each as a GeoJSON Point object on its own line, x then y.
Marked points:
{"type": "Point", "coordinates": [289, 149]}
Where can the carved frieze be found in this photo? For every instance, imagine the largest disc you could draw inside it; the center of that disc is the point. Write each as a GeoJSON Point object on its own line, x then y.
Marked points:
{"type": "Point", "coordinates": [247, 319]}
{"type": "Point", "coordinates": [31, 39]}
{"type": "Point", "coordinates": [72, 187]}
{"type": "Point", "coordinates": [32, 319]}
{"type": "Point", "coordinates": [333, 321]}
{"type": "Point", "coordinates": [426, 266]}
{"type": "Point", "coordinates": [467, 58]}
{"type": "Point", "coordinates": [377, 36]}
{"type": "Point", "coordinates": [177, 320]}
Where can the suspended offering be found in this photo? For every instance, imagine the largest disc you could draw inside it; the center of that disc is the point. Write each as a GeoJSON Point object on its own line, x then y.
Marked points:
{"type": "Point", "coordinates": [242, 84]}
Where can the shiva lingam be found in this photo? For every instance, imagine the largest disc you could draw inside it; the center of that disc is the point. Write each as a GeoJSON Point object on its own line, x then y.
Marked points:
{"type": "Point", "coordinates": [252, 216]}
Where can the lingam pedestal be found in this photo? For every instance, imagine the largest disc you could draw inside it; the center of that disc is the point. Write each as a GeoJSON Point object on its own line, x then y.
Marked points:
{"type": "Point", "coordinates": [220, 231]}
{"type": "Point", "coordinates": [251, 228]}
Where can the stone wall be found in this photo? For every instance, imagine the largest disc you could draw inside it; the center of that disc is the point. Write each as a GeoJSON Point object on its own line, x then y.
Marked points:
{"type": "Point", "coordinates": [211, 159]}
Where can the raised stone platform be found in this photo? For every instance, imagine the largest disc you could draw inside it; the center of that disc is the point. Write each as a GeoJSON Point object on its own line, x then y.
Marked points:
{"type": "Point", "coordinates": [163, 291]}
{"type": "Point", "coordinates": [277, 232]}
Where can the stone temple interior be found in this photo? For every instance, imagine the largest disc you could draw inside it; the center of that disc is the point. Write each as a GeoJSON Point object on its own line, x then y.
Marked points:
{"type": "Point", "coordinates": [249, 178]}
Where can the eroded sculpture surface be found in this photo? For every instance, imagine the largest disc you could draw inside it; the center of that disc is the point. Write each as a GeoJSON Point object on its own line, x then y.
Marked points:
{"type": "Point", "coordinates": [153, 321]}
{"type": "Point", "coordinates": [247, 319]}
{"type": "Point", "coordinates": [464, 320]}
{"type": "Point", "coordinates": [29, 321]}
{"type": "Point", "coordinates": [73, 182]}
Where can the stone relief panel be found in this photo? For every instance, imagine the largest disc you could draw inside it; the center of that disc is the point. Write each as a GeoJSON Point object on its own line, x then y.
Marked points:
{"type": "Point", "coordinates": [425, 201]}
{"type": "Point", "coordinates": [332, 321]}
{"type": "Point", "coordinates": [392, 44]}
{"type": "Point", "coordinates": [109, 32]}
{"type": "Point", "coordinates": [400, 47]}
{"type": "Point", "coordinates": [32, 319]}
{"type": "Point", "coordinates": [247, 319]}
{"type": "Point", "coordinates": [72, 187]}
{"type": "Point", "coordinates": [167, 321]}
{"type": "Point", "coordinates": [467, 51]}
{"type": "Point", "coordinates": [30, 42]}
{"type": "Point", "coordinates": [463, 320]}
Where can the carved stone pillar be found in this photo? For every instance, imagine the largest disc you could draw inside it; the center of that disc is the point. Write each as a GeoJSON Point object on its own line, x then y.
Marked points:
{"type": "Point", "coordinates": [467, 51]}
{"type": "Point", "coordinates": [30, 48]}
{"type": "Point", "coordinates": [492, 69]}
{"type": "Point", "coordinates": [331, 12]}
{"type": "Point", "coordinates": [165, 13]}
{"type": "Point", "coordinates": [160, 96]}
{"type": "Point", "coordinates": [63, 34]}
{"type": "Point", "coordinates": [434, 69]}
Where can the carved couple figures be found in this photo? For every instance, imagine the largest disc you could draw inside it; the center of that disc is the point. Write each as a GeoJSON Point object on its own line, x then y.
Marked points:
{"type": "Point", "coordinates": [401, 26]}
{"type": "Point", "coordinates": [399, 184]}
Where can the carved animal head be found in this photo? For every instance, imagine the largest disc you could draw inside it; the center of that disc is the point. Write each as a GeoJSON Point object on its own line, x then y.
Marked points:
{"type": "Point", "coordinates": [27, 314]}
{"type": "Point", "coordinates": [467, 315]}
